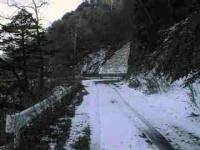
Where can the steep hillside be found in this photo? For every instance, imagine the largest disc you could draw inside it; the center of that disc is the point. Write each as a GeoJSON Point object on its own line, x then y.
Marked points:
{"type": "Point", "coordinates": [174, 60]}
{"type": "Point", "coordinates": [177, 53]}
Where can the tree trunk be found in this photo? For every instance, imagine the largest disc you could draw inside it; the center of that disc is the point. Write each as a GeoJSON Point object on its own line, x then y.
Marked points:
{"type": "Point", "coordinates": [24, 63]}
{"type": "Point", "coordinates": [75, 44]}
{"type": "Point", "coordinates": [41, 78]}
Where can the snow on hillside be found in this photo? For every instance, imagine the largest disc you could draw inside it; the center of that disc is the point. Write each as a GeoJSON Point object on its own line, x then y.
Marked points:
{"type": "Point", "coordinates": [79, 124]}
{"type": "Point", "coordinates": [91, 63]}
{"type": "Point", "coordinates": [1, 52]}
{"type": "Point", "coordinates": [118, 64]}
{"type": "Point", "coordinates": [3, 55]}
{"type": "Point", "coordinates": [97, 62]}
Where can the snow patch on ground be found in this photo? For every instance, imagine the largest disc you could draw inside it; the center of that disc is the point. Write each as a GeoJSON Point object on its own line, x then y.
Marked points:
{"type": "Point", "coordinates": [79, 124]}
{"type": "Point", "coordinates": [195, 93]}
{"type": "Point", "coordinates": [170, 112]}
{"type": "Point", "coordinates": [149, 83]}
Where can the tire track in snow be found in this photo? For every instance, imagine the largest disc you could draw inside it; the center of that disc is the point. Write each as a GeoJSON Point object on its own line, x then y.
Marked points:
{"type": "Point", "coordinates": [156, 137]}
{"type": "Point", "coordinates": [95, 118]}
{"type": "Point", "coordinates": [117, 131]}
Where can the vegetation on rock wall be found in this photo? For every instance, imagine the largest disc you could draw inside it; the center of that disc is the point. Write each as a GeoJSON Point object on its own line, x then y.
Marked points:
{"type": "Point", "coordinates": [165, 37]}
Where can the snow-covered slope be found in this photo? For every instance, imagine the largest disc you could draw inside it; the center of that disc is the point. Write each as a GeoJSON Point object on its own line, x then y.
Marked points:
{"type": "Point", "coordinates": [91, 63]}
{"type": "Point", "coordinates": [99, 63]}
{"type": "Point", "coordinates": [118, 63]}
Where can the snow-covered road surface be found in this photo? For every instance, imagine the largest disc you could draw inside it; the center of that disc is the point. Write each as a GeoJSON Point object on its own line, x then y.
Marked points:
{"type": "Point", "coordinates": [169, 112]}
{"type": "Point", "coordinates": [117, 126]}
{"type": "Point", "coordinates": [122, 118]}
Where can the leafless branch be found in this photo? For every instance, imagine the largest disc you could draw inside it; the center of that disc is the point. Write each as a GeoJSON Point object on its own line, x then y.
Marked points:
{"type": "Point", "coordinates": [32, 6]}
{"type": "Point", "coordinates": [13, 5]}
{"type": "Point", "coordinates": [42, 4]}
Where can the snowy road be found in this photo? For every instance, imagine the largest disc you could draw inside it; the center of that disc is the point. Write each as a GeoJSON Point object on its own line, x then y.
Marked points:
{"type": "Point", "coordinates": [123, 118]}
{"type": "Point", "coordinates": [115, 125]}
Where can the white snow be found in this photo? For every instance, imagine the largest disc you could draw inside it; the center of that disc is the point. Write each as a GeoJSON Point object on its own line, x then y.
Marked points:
{"type": "Point", "coordinates": [114, 125]}
{"type": "Point", "coordinates": [118, 63]}
{"type": "Point", "coordinates": [97, 62]}
{"type": "Point", "coordinates": [1, 52]}
{"type": "Point", "coordinates": [93, 61]}
{"type": "Point", "coordinates": [111, 127]}
{"type": "Point", "coordinates": [3, 55]}
{"type": "Point", "coordinates": [79, 124]}
{"type": "Point", "coordinates": [169, 112]}
{"type": "Point", "coordinates": [108, 110]}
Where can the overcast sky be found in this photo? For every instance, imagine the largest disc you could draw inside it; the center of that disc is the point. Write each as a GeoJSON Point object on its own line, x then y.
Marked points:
{"type": "Point", "coordinates": [54, 11]}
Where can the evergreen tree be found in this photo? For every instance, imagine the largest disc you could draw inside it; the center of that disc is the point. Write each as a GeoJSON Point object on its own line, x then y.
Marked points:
{"type": "Point", "coordinates": [19, 35]}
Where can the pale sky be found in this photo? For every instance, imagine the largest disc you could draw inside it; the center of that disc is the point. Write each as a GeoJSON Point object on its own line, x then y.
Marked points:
{"type": "Point", "coordinates": [54, 11]}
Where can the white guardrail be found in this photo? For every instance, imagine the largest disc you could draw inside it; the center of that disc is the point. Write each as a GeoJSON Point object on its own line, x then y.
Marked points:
{"type": "Point", "coordinates": [19, 120]}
